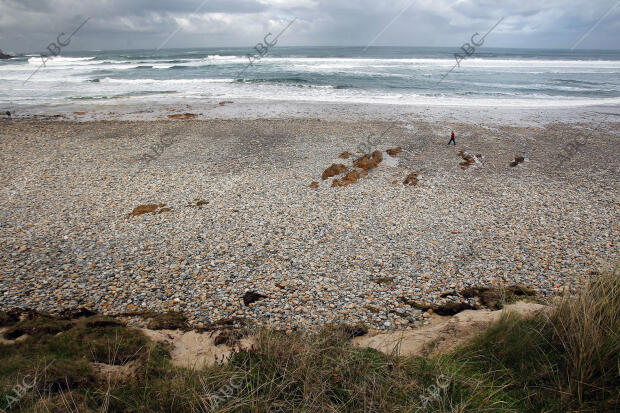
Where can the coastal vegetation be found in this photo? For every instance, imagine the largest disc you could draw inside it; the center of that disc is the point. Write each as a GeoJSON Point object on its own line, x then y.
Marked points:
{"type": "Point", "coordinates": [563, 359]}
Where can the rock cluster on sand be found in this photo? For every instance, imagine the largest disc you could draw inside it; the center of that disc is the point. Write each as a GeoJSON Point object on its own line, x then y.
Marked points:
{"type": "Point", "coordinates": [364, 163]}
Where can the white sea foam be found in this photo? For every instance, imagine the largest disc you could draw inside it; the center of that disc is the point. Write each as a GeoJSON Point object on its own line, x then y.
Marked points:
{"type": "Point", "coordinates": [479, 82]}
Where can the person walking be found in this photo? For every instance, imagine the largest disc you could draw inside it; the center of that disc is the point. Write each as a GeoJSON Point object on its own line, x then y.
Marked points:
{"type": "Point", "coordinates": [452, 139]}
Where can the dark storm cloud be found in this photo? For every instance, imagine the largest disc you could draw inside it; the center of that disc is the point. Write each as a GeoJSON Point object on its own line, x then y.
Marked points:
{"type": "Point", "coordinates": [29, 25]}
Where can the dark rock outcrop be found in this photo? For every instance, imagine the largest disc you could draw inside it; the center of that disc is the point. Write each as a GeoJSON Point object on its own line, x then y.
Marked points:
{"type": "Point", "coordinates": [251, 297]}
{"type": "Point", "coordinates": [517, 161]}
{"type": "Point", "coordinates": [5, 56]}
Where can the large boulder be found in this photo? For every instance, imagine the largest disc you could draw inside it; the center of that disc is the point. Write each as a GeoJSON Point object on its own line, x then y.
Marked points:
{"type": "Point", "coordinates": [335, 169]}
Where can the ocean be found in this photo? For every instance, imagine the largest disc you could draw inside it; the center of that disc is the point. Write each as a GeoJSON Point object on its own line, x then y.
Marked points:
{"type": "Point", "coordinates": [385, 75]}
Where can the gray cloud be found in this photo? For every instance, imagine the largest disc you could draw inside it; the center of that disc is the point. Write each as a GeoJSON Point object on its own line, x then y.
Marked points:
{"type": "Point", "coordinates": [29, 25]}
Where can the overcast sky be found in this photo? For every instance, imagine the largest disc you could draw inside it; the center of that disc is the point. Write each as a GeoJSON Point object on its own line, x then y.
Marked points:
{"type": "Point", "coordinates": [30, 25]}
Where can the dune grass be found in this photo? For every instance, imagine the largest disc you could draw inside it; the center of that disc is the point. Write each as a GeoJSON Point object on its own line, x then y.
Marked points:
{"type": "Point", "coordinates": [562, 360]}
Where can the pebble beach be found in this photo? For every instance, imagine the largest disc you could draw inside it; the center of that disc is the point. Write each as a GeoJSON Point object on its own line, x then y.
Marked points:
{"type": "Point", "coordinates": [229, 210]}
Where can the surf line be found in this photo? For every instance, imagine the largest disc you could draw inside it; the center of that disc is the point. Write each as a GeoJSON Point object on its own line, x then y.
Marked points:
{"type": "Point", "coordinates": [55, 49]}
{"type": "Point", "coordinates": [468, 49]}
{"type": "Point", "coordinates": [263, 49]}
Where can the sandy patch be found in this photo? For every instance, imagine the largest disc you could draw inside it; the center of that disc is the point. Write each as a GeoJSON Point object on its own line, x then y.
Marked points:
{"type": "Point", "coordinates": [443, 334]}
{"type": "Point", "coordinates": [196, 350]}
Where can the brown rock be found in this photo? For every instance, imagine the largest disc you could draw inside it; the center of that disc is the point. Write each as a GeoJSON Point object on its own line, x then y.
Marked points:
{"type": "Point", "coordinates": [344, 155]}
{"type": "Point", "coordinates": [145, 209]}
{"type": "Point", "coordinates": [336, 183]}
{"type": "Point", "coordinates": [335, 169]}
{"type": "Point", "coordinates": [184, 116]}
{"type": "Point", "coordinates": [314, 185]}
{"type": "Point", "coordinates": [197, 204]}
{"type": "Point", "coordinates": [365, 162]}
{"type": "Point", "coordinates": [395, 182]}
{"type": "Point", "coordinates": [369, 161]}
{"type": "Point", "coordinates": [394, 151]}
{"type": "Point", "coordinates": [350, 178]}
{"type": "Point", "coordinates": [517, 161]}
{"type": "Point", "coordinates": [411, 180]}
{"type": "Point", "coordinates": [468, 160]}
{"type": "Point", "coordinates": [377, 156]}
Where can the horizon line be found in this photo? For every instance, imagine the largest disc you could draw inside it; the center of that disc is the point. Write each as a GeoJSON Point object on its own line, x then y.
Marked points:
{"type": "Point", "coordinates": [362, 47]}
